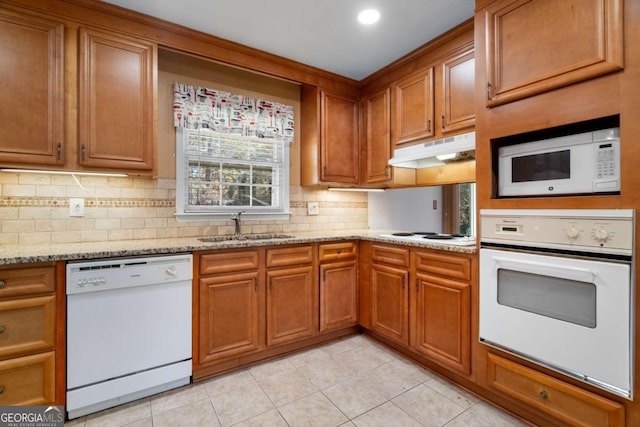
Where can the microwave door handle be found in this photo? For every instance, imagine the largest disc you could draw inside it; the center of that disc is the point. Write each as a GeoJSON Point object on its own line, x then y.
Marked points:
{"type": "Point", "coordinates": [544, 269]}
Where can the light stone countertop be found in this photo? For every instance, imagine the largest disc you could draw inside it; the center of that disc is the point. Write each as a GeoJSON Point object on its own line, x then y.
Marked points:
{"type": "Point", "coordinates": [17, 254]}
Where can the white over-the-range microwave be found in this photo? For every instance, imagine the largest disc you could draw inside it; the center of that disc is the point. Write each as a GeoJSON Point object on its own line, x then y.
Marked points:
{"type": "Point", "coordinates": [576, 164]}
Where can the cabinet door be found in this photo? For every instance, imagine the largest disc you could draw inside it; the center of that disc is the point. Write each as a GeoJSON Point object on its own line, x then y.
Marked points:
{"type": "Point", "coordinates": [458, 92]}
{"type": "Point", "coordinates": [31, 92]}
{"type": "Point", "coordinates": [117, 108]}
{"type": "Point", "coordinates": [229, 324]}
{"type": "Point", "coordinates": [390, 302]}
{"type": "Point", "coordinates": [28, 380]}
{"type": "Point", "coordinates": [290, 304]}
{"type": "Point", "coordinates": [378, 134]}
{"type": "Point", "coordinates": [339, 139]}
{"type": "Point", "coordinates": [338, 295]}
{"type": "Point", "coordinates": [537, 46]}
{"type": "Point", "coordinates": [413, 108]}
{"type": "Point", "coordinates": [442, 321]}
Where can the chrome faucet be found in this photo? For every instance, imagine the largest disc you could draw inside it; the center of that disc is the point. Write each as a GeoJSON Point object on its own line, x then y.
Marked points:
{"type": "Point", "coordinates": [236, 217]}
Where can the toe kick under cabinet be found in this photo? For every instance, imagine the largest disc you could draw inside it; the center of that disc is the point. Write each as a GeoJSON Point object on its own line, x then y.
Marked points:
{"type": "Point", "coordinates": [28, 335]}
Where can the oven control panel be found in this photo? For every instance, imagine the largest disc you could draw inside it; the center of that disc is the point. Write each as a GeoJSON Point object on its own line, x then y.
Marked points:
{"type": "Point", "coordinates": [600, 230]}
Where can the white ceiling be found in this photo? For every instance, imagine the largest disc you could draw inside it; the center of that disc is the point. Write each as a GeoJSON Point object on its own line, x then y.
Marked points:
{"type": "Point", "coordinates": [321, 33]}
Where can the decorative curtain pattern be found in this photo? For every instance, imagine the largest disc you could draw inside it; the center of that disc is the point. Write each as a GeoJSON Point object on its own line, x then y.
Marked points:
{"type": "Point", "coordinates": [197, 107]}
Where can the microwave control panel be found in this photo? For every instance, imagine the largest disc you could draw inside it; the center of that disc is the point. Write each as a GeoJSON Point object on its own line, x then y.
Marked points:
{"type": "Point", "coordinates": [599, 230]}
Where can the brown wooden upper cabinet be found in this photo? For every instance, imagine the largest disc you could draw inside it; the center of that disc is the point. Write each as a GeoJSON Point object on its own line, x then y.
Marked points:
{"type": "Point", "coordinates": [377, 117]}
{"type": "Point", "coordinates": [436, 101]}
{"type": "Point", "coordinates": [32, 90]}
{"type": "Point", "coordinates": [330, 146]}
{"type": "Point", "coordinates": [537, 46]}
{"type": "Point", "coordinates": [117, 107]}
{"type": "Point", "coordinates": [412, 114]}
{"type": "Point", "coordinates": [52, 66]}
{"type": "Point", "coordinates": [457, 95]}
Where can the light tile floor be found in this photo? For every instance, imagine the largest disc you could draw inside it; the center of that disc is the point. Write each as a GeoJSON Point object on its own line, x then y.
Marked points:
{"type": "Point", "coordinates": [352, 382]}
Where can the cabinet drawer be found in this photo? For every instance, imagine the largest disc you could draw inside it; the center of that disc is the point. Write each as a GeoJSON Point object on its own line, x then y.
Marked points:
{"type": "Point", "coordinates": [563, 401]}
{"type": "Point", "coordinates": [226, 262]}
{"type": "Point", "coordinates": [28, 380]}
{"type": "Point", "coordinates": [31, 280]}
{"type": "Point", "coordinates": [390, 255]}
{"type": "Point", "coordinates": [337, 251]}
{"type": "Point", "coordinates": [27, 325]}
{"type": "Point", "coordinates": [278, 257]}
{"type": "Point", "coordinates": [444, 265]}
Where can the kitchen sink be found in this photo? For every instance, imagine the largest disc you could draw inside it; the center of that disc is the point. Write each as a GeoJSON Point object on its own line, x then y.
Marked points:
{"type": "Point", "coordinates": [246, 237]}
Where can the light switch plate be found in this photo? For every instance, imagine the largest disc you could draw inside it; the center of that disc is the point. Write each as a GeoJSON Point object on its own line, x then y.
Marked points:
{"type": "Point", "coordinates": [76, 207]}
{"type": "Point", "coordinates": [313, 208]}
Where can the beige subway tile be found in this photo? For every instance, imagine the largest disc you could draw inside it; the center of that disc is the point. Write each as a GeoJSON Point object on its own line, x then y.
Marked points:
{"type": "Point", "coordinates": [50, 225]}
{"type": "Point", "coordinates": [107, 224]}
{"type": "Point", "coordinates": [35, 238]}
{"type": "Point", "coordinates": [51, 191]}
{"type": "Point", "coordinates": [62, 180]}
{"type": "Point", "coordinates": [9, 178]}
{"type": "Point", "coordinates": [18, 190]}
{"type": "Point", "coordinates": [188, 232]}
{"type": "Point", "coordinates": [9, 213]}
{"type": "Point", "coordinates": [94, 181]}
{"type": "Point", "coordinates": [66, 237]}
{"type": "Point", "coordinates": [9, 238]}
{"type": "Point", "coordinates": [18, 226]}
{"type": "Point", "coordinates": [121, 234]}
{"type": "Point", "coordinates": [144, 233]}
{"type": "Point", "coordinates": [80, 224]}
{"type": "Point", "coordinates": [155, 223]}
{"type": "Point", "coordinates": [120, 182]}
{"type": "Point", "coordinates": [167, 233]}
{"type": "Point", "coordinates": [120, 212]}
{"type": "Point", "coordinates": [144, 183]}
{"type": "Point", "coordinates": [34, 179]}
{"type": "Point", "coordinates": [132, 223]}
{"type": "Point", "coordinates": [156, 193]}
{"type": "Point", "coordinates": [78, 192]}
{"type": "Point", "coordinates": [108, 192]}
{"type": "Point", "coordinates": [145, 212]}
{"type": "Point", "coordinates": [134, 193]}
{"type": "Point", "coordinates": [34, 213]}
{"type": "Point", "coordinates": [94, 235]}
{"type": "Point", "coordinates": [166, 183]}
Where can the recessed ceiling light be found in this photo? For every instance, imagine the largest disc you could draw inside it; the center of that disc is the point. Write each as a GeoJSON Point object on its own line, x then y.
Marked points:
{"type": "Point", "coordinates": [369, 16]}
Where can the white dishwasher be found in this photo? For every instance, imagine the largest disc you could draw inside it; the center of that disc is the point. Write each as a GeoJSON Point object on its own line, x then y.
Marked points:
{"type": "Point", "coordinates": [128, 329]}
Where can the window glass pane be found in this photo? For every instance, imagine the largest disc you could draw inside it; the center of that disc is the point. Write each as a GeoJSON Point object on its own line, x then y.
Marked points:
{"type": "Point", "coordinates": [236, 173]}
{"type": "Point", "coordinates": [204, 195]}
{"type": "Point", "coordinates": [236, 195]}
{"type": "Point", "coordinates": [262, 196]}
{"type": "Point", "coordinates": [263, 175]}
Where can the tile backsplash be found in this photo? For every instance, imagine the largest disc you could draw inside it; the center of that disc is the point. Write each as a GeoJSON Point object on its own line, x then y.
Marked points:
{"type": "Point", "coordinates": [34, 209]}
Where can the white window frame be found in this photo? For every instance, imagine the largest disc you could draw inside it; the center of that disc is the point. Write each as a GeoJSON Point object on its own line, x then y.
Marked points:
{"type": "Point", "coordinates": [184, 212]}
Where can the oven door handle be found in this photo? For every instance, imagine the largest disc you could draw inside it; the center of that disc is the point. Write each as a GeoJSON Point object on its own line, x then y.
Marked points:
{"type": "Point", "coordinates": [545, 269]}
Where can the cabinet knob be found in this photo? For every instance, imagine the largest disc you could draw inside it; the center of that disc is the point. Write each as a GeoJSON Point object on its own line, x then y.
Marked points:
{"type": "Point", "coordinates": [544, 395]}
{"type": "Point", "coordinates": [2, 329]}
{"type": "Point", "coordinates": [1, 390]}
{"type": "Point", "coordinates": [2, 284]}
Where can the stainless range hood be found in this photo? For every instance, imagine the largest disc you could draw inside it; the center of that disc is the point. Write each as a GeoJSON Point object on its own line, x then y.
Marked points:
{"type": "Point", "coordinates": [436, 153]}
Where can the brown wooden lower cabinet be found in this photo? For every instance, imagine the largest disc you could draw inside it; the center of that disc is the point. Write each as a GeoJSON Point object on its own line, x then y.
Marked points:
{"type": "Point", "coordinates": [390, 302]}
{"type": "Point", "coordinates": [338, 295]}
{"type": "Point", "coordinates": [290, 304]}
{"type": "Point", "coordinates": [422, 300]}
{"type": "Point", "coordinates": [28, 380]}
{"type": "Point", "coordinates": [229, 323]}
{"type": "Point", "coordinates": [570, 404]}
{"type": "Point", "coordinates": [443, 321]}
{"type": "Point", "coordinates": [28, 334]}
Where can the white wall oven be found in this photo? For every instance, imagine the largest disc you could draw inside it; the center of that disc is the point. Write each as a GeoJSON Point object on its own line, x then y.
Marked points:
{"type": "Point", "coordinates": [556, 288]}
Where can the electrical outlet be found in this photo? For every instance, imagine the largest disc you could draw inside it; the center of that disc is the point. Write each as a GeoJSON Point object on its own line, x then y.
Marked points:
{"type": "Point", "coordinates": [313, 208]}
{"type": "Point", "coordinates": [76, 207]}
